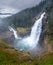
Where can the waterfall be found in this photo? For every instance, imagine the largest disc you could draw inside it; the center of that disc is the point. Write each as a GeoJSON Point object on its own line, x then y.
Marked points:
{"type": "Point", "coordinates": [36, 31]}
{"type": "Point", "coordinates": [14, 32]}
{"type": "Point", "coordinates": [32, 40]}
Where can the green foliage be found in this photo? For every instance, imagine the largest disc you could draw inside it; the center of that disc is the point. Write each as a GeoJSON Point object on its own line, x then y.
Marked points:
{"type": "Point", "coordinates": [9, 56]}
{"type": "Point", "coordinates": [46, 59]}
{"type": "Point", "coordinates": [50, 22]}
{"type": "Point", "coordinates": [22, 30]}
{"type": "Point", "coordinates": [25, 17]}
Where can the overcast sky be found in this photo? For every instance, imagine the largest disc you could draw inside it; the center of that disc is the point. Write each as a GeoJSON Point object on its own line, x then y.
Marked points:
{"type": "Point", "coordinates": [18, 4]}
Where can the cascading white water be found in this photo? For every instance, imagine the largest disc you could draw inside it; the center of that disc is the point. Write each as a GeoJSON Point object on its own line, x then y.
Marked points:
{"type": "Point", "coordinates": [32, 40]}
{"type": "Point", "coordinates": [14, 32]}
{"type": "Point", "coordinates": [36, 30]}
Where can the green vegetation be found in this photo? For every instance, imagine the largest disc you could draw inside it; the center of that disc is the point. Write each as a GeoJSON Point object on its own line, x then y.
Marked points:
{"type": "Point", "coordinates": [23, 31]}
{"type": "Point", "coordinates": [50, 23]}
{"type": "Point", "coordinates": [46, 59]}
{"type": "Point", "coordinates": [25, 17]}
{"type": "Point", "coordinates": [11, 56]}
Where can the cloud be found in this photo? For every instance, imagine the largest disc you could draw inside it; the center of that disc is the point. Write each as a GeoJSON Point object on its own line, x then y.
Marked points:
{"type": "Point", "coordinates": [18, 4]}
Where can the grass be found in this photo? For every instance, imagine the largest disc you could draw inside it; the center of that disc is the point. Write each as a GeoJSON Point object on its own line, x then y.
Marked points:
{"type": "Point", "coordinates": [46, 59]}
{"type": "Point", "coordinates": [23, 30]}
{"type": "Point", "coordinates": [11, 56]}
{"type": "Point", "coordinates": [50, 41]}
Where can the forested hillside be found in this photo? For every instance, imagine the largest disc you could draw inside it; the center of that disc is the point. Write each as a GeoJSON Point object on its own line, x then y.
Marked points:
{"type": "Point", "coordinates": [25, 17]}
{"type": "Point", "coordinates": [50, 24]}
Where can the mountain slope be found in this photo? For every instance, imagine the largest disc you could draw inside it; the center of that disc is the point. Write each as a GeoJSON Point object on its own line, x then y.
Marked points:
{"type": "Point", "coordinates": [50, 26]}
{"type": "Point", "coordinates": [11, 56]}
{"type": "Point", "coordinates": [25, 17]}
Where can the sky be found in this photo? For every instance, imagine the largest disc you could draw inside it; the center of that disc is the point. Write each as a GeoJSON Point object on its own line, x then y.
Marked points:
{"type": "Point", "coordinates": [18, 4]}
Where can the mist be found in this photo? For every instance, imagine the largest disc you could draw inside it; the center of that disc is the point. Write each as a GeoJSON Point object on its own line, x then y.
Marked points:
{"type": "Point", "coordinates": [19, 4]}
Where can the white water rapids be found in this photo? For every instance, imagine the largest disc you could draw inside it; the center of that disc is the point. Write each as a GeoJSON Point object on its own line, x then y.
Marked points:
{"type": "Point", "coordinates": [33, 39]}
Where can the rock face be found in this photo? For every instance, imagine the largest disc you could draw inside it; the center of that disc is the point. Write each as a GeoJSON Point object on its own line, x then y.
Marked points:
{"type": "Point", "coordinates": [44, 30]}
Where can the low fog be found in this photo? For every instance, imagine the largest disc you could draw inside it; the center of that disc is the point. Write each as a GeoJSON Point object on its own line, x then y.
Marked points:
{"type": "Point", "coordinates": [18, 4]}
